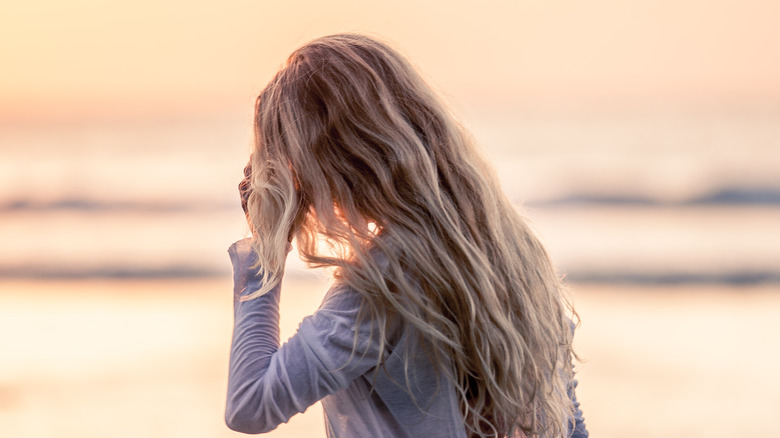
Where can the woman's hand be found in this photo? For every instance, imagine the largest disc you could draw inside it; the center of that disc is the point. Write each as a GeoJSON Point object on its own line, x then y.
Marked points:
{"type": "Point", "coordinates": [246, 276]}
{"type": "Point", "coordinates": [244, 189]}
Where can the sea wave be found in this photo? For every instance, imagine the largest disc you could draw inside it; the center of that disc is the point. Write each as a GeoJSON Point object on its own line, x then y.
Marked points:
{"type": "Point", "coordinates": [727, 196]}
{"type": "Point", "coordinates": [89, 205]}
{"type": "Point", "coordinates": [735, 277]}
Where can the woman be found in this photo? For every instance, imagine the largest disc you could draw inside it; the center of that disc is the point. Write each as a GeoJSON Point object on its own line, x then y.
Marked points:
{"type": "Point", "coordinates": [445, 318]}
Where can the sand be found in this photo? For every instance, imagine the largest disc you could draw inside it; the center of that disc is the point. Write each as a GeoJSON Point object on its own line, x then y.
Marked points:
{"type": "Point", "coordinates": [149, 359]}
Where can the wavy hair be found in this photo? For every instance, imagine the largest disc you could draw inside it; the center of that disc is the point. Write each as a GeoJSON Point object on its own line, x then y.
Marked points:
{"type": "Point", "coordinates": [354, 149]}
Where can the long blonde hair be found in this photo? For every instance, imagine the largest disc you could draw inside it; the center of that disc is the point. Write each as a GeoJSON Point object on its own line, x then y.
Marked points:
{"type": "Point", "coordinates": [354, 148]}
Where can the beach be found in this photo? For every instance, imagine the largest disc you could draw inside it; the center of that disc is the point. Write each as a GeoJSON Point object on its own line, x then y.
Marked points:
{"type": "Point", "coordinates": [129, 358]}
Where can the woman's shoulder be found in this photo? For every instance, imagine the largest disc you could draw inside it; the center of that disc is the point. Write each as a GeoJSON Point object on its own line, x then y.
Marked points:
{"type": "Point", "coordinates": [346, 306]}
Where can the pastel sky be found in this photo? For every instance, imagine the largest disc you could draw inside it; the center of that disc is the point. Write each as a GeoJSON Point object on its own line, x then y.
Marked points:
{"type": "Point", "coordinates": [93, 56]}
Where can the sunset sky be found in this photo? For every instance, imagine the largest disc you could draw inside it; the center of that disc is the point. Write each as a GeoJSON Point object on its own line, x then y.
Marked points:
{"type": "Point", "coordinates": [97, 56]}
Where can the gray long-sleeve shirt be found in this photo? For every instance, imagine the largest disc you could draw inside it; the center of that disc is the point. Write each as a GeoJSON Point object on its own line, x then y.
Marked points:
{"type": "Point", "coordinates": [269, 383]}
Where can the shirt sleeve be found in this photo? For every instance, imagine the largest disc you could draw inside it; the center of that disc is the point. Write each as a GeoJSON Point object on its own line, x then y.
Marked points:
{"type": "Point", "coordinates": [269, 383]}
{"type": "Point", "coordinates": [577, 427]}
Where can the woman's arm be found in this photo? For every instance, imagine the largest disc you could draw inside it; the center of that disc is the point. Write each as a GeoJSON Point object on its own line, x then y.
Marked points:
{"type": "Point", "coordinates": [269, 383]}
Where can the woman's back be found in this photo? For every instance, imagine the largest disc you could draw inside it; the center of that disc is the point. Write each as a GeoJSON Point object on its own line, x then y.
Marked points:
{"type": "Point", "coordinates": [404, 397]}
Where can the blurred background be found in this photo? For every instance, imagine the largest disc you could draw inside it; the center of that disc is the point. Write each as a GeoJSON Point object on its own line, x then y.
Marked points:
{"type": "Point", "coordinates": [641, 139]}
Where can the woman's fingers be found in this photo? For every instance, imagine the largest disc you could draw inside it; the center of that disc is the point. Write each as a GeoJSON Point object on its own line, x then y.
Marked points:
{"type": "Point", "coordinates": [245, 186]}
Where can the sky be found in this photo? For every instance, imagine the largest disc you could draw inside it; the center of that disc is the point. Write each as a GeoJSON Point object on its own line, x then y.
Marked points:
{"type": "Point", "coordinates": [92, 57]}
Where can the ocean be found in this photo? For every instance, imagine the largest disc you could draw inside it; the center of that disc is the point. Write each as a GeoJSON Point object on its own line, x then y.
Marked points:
{"type": "Point", "coordinates": [631, 196]}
